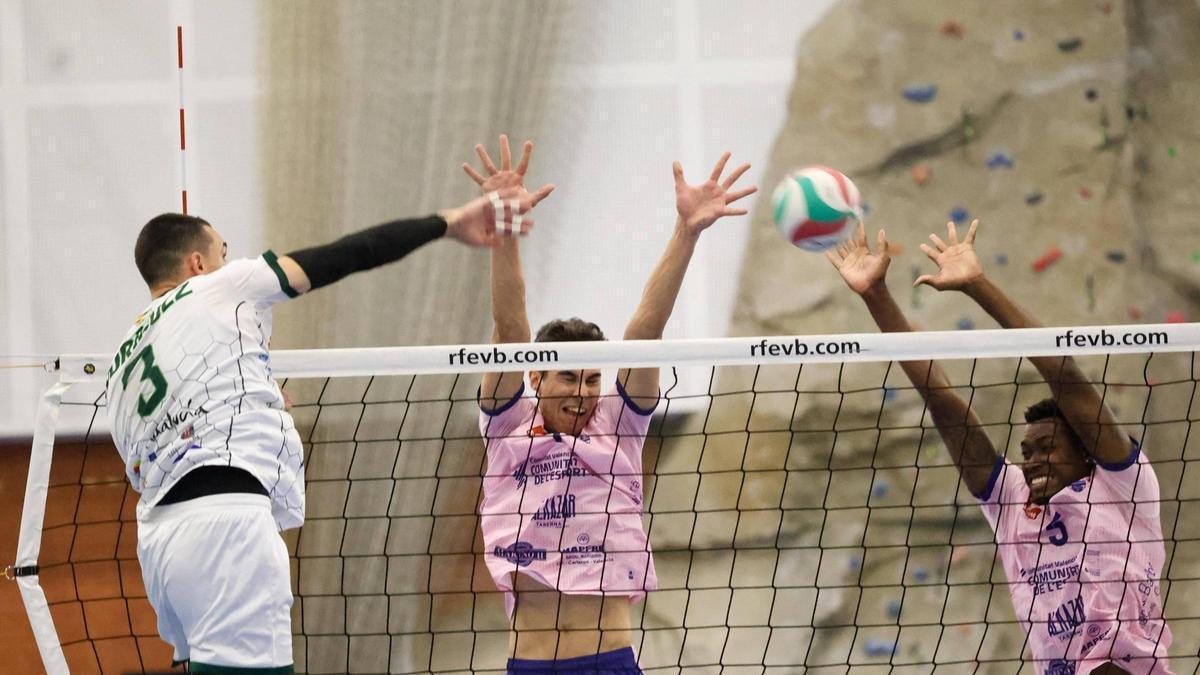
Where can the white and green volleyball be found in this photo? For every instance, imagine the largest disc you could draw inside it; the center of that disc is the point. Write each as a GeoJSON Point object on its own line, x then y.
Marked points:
{"type": "Point", "coordinates": [816, 207]}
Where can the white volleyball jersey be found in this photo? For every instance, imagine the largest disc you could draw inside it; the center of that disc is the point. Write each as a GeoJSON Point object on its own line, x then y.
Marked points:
{"type": "Point", "coordinates": [191, 386]}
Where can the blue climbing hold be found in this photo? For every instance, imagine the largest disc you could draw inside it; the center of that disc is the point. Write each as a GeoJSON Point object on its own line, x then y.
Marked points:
{"type": "Point", "coordinates": [877, 647]}
{"type": "Point", "coordinates": [921, 93]}
{"type": "Point", "coordinates": [921, 574]}
{"type": "Point", "coordinates": [959, 215]}
{"type": "Point", "coordinates": [999, 160]}
{"type": "Point", "coordinates": [1019, 35]}
{"type": "Point", "coordinates": [1034, 198]}
{"type": "Point", "coordinates": [1001, 259]}
{"type": "Point", "coordinates": [893, 609]}
{"type": "Point", "coordinates": [965, 323]}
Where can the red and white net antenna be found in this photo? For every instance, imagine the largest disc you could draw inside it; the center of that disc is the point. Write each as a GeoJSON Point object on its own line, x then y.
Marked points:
{"type": "Point", "coordinates": [182, 126]}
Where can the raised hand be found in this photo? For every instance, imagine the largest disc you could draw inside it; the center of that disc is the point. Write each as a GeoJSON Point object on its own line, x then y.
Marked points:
{"type": "Point", "coordinates": [957, 263]}
{"type": "Point", "coordinates": [506, 176]}
{"type": "Point", "coordinates": [700, 206]}
{"type": "Point", "coordinates": [475, 223]}
{"type": "Point", "coordinates": [861, 268]}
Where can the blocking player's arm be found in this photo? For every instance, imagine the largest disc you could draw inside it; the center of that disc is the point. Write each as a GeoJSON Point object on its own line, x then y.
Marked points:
{"type": "Point", "coordinates": [510, 321]}
{"type": "Point", "coordinates": [1080, 401]}
{"type": "Point", "coordinates": [473, 223]}
{"type": "Point", "coordinates": [970, 448]}
{"type": "Point", "coordinates": [698, 206]}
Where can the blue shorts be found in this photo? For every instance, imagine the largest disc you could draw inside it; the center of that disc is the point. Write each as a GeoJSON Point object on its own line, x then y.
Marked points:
{"type": "Point", "coordinates": [616, 662]}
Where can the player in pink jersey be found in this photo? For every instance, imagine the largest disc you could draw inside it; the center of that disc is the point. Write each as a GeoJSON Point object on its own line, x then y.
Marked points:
{"type": "Point", "coordinates": [1077, 521]}
{"type": "Point", "coordinates": [562, 505]}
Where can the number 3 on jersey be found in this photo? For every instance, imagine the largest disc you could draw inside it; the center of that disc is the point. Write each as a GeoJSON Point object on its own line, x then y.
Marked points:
{"type": "Point", "coordinates": [150, 372]}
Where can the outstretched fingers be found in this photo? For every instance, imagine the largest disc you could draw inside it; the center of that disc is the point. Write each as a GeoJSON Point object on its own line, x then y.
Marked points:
{"type": "Point", "coordinates": [971, 232]}
{"type": "Point", "coordinates": [677, 169]}
{"type": "Point", "coordinates": [720, 167]}
{"type": "Point", "coordinates": [487, 161]}
{"type": "Point", "coordinates": [732, 178]}
{"type": "Point", "coordinates": [731, 197]}
{"type": "Point", "coordinates": [505, 153]}
{"type": "Point", "coordinates": [526, 152]}
{"type": "Point", "coordinates": [881, 239]}
{"type": "Point", "coordinates": [475, 175]}
{"type": "Point", "coordinates": [541, 194]}
{"type": "Point", "coordinates": [937, 241]}
{"type": "Point", "coordinates": [933, 255]}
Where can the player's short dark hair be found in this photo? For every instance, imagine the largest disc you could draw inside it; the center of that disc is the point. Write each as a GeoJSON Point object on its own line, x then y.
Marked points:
{"type": "Point", "coordinates": [569, 330]}
{"type": "Point", "coordinates": [163, 243]}
{"type": "Point", "coordinates": [1047, 409]}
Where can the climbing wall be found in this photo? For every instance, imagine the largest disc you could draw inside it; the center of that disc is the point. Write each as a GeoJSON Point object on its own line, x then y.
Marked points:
{"type": "Point", "coordinates": [1068, 129]}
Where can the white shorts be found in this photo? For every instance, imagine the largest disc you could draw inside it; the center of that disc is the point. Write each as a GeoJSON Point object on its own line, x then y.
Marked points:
{"type": "Point", "coordinates": [217, 573]}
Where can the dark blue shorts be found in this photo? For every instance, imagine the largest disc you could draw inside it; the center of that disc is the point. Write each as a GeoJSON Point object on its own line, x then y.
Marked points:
{"type": "Point", "coordinates": [616, 662]}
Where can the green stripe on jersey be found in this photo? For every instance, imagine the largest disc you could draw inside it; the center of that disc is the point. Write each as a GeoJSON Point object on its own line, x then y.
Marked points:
{"type": "Point", "coordinates": [273, 262]}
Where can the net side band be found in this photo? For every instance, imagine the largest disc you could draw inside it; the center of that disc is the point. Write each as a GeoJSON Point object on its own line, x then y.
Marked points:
{"type": "Point", "coordinates": [856, 347]}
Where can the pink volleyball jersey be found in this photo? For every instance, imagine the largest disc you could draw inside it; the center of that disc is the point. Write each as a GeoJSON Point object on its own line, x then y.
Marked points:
{"type": "Point", "coordinates": [1083, 570]}
{"type": "Point", "coordinates": [567, 510]}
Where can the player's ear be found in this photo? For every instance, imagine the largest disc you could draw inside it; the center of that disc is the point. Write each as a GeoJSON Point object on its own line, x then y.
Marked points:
{"type": "Point", "coordinates": [193, 264]}
{"type": "Point", "coordinates": [535, 380]}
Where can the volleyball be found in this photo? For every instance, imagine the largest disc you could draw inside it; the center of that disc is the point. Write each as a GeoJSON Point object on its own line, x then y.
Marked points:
{"type": "Point", "coordinates": [816, 207]}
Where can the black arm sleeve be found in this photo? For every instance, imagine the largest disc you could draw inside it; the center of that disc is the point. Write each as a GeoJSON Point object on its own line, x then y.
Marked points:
{"type": "Point", "coordinates": [367, 249]}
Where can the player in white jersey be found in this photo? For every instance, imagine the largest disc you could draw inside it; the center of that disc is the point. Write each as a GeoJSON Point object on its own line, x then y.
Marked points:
{"type": "Point", "coordinates": [562, 505]}
{"type": "Point", "coordinates": [1077, 520]}
{"type": "Point", "coordinates": [202, 428]}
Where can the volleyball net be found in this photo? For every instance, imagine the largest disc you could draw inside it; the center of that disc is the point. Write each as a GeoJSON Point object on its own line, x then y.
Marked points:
{"type": "Point", "coordinates": [801, 506]}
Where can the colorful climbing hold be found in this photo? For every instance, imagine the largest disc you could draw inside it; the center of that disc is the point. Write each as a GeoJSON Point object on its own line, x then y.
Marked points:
{"type": "Point", "coordinates": [1172, 152]}
{"type": "Point", "coordinates": [1134, 313]}
{"type": "Point", "coordinates": [1047, 259]}
{"type": "Point", "coordinates": [921, 173]}
{"type": "Point", "coordinates": [893, 609]}
{"type": "Point", "coordinates": [1034, 198]}
{"type": "Point", "coordinates": [965, 323]}
{"type": "Point", "coordinates": [999, 159]}
{"type": "Point", "coordinates": [921, 93]}
{"type": "Point", "coordinates": [951, 28]}
{"type": "Point", "coordinates": [1090, 94]}
{"type": "Point", "coordinates": [1176, 316]}
{"type": "Point", "coordinates": [1085, 192]}
{"type": "Point", "coordinates": [855, 563]}
{"type": "Point", "coordinates": [876, 647]}
{"type": "Point", "coordinates": [959, 215]}
{"type": "Point", "coordinates": [1115, 256]}
{"type": "Point", "coordinates": [1001, 259]}
{"type": "Point", "coordinates": [921, 574]}
{"type": "Point", "coordinates": [1196, 256]}
{"type": "Point", "coordinates": [879, 489]}
{"type": "Point", "coordinates": [1019, 35]}
{"type": "Point", "coordinates": [1090, 284]}
{"type": "Point", "coordinates": [1070, 44]}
